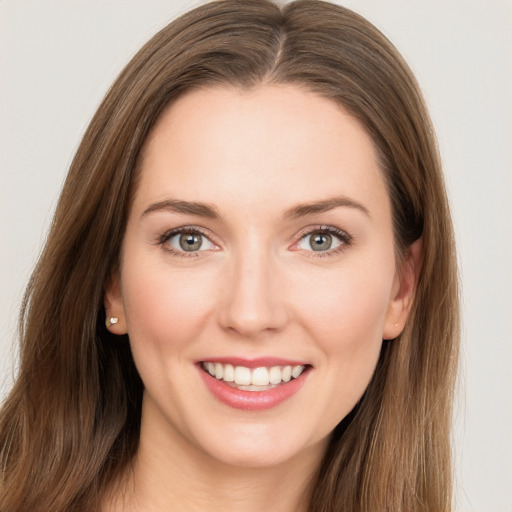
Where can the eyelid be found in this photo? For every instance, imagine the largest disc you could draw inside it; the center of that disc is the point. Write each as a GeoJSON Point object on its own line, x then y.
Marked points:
{"type": "Point", "coordinates": [165, 237]}
{"type": "Point", "coordinates": [345, 238]}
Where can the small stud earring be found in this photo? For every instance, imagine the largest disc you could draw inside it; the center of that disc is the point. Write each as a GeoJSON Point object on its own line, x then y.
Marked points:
{"type": "Point", "coordinates": [111, 321]}
{"type": "Point", "coordinates": [396, 324]}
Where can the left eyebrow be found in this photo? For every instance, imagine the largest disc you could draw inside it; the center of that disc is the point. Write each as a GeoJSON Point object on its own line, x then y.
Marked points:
{"type": "Point", "coordinates": [186, 207]}
{"type": "Point", "coordinates": [302, 210]}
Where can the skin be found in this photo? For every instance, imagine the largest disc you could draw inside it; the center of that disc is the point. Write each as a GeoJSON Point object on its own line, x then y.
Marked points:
{"type": "Point", "coordinates": [256, 288]}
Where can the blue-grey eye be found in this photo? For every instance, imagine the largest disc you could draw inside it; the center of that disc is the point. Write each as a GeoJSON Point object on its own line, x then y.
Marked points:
{"type": "Point", "coordinates": [189, 242]}
{"type": "Point", "coordinates": [319, 241]}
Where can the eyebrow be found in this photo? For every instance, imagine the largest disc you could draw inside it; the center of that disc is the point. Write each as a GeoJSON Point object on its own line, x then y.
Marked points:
{"type": "Point", "coordinates": [295, 212]}
{"type": "Point", "coordinates": [187, 207]}
{"type": "Point", "coordinates": [302, 210]}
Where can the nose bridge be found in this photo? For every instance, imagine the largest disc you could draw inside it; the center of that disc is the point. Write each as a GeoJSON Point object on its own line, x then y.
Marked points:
{"type": "Point", "coordinates": [253, 302]}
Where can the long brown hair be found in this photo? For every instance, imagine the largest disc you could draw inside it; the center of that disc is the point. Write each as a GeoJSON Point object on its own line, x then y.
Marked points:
{"type": "Point", "coordinates": [70, 425]}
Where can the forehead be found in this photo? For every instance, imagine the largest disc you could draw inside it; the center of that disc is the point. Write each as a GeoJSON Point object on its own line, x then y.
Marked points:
{"type": "Point", "coordinates": [272, 142]}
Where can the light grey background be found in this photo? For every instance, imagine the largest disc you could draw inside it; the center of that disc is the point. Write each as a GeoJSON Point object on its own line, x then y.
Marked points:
{"type": "Point", "coordinates": [57, 59]}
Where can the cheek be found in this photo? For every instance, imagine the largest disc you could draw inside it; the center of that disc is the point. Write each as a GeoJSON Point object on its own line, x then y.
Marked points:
{"type": "Point", "coordinates": [164, 307]}
{"type": "Point", "coordinates": [347, 327]}
{"type": "Point", "coordinates": [349, 309]}
{"type": "Point", "coordinates": [345, 317]}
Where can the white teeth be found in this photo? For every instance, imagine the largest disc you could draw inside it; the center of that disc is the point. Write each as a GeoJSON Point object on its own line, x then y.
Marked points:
{"type": "Point", "coordinates": [253, 379]}
{"type": "Point", "coordinates": [229, 373]}
{"type": "Point", "coordinates": [259, 377]}
{"type": "Point", "coordinates": [297, 370]}
{"type": "Point", "coordinates": [275, 375]}
{"type": "Point", "coordinates": [219, 371]}
{"type": "Point", "coordinates": [242, 376]}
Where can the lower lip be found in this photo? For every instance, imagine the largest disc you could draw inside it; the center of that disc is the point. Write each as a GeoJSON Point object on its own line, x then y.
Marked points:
{"type": "Point", "coordinates": [252, 400]}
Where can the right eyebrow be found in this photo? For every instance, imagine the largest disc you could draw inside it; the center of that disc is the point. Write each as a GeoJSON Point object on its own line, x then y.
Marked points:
{"type": "Point", "coordinates": [302, 210]}
{"type": "Point", "coordinates": [187, 207]}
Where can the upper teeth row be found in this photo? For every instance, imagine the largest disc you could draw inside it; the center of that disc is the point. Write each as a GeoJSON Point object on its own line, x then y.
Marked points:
{"type": "Point", "coordinates": [244, 376]}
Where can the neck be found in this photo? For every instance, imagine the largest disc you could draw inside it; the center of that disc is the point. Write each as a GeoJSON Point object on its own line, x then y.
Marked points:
{"type": "Point", "coordinates": [170, 474]}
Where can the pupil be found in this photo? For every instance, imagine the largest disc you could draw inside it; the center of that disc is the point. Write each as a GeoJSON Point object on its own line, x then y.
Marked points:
{"type": "Point", "coordinates": [321, 242]}
{"type": "Point", "coordinates": [190, 242]}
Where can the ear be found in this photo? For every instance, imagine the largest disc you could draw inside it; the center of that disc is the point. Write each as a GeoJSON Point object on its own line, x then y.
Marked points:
{"type": "Point", "coordinates": [114, 306]}
{"type": "Point", "coordinates": [404, 287]}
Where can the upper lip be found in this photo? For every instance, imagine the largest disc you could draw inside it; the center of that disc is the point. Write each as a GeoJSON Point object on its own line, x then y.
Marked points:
{"type": "Point", "coordinates": [257, 362]}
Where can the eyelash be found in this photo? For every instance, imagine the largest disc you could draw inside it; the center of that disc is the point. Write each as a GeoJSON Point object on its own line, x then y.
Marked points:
{"type": "Point", "coordinates": [345, 238]}
{"type": "Point", "coordinates": [192, 230]}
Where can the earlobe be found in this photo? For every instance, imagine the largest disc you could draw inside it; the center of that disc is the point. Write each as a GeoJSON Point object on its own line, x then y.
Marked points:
{"type": "Point", "coordinates": [114, 307]}
{"type": "Point", "coordinates": [404, 289]}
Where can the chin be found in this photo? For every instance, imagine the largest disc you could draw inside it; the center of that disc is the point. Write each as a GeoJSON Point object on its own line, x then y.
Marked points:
{"type": "Point", "coordinates": [262, 447]}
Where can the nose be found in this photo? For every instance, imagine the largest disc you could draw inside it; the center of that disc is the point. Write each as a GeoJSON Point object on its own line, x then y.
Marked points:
{"type": "Point", "coordinates": [254, 297]}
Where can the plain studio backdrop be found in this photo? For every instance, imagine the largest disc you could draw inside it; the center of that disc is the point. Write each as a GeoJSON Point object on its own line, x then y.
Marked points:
{"type": "Point", "coordinates": [57, 59]}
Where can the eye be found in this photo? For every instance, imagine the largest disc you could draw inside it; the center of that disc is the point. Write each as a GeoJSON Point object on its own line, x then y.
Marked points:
{"type": "Point", "coordinates": [324, 239]}
{"type": "Point", "coordinates": [319, 241]}
{"type": "Point", "coordinates": [187, 241]}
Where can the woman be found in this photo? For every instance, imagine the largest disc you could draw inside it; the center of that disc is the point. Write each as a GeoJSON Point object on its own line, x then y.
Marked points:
{"type": "Point", "coordinates": [237, 306]}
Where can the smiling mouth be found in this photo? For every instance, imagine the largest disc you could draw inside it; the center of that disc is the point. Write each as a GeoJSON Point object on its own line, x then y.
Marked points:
{"type": "Point", "coordinates": [253, 379]}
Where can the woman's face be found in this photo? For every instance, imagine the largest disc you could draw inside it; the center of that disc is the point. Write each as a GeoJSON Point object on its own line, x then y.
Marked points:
{"type": "Point", "coordinates": [258, 276]}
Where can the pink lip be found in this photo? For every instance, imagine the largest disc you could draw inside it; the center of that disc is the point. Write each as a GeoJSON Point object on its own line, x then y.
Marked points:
{"type": "Point", "coordinates": [252, 400]}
